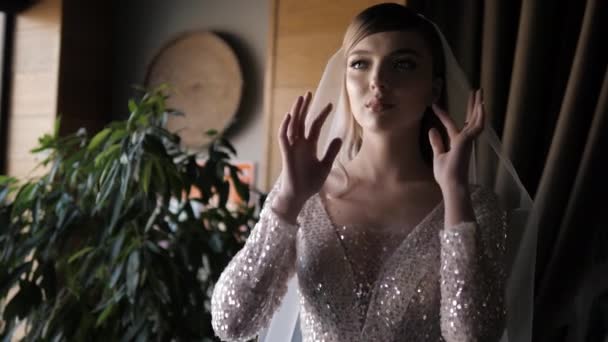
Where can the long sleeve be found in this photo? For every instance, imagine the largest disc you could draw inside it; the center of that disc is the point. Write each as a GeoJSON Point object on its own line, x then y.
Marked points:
{"type": "Point", "coordinates": [473, 274]}
{"type": "Point", "coordinates": [253, 284]}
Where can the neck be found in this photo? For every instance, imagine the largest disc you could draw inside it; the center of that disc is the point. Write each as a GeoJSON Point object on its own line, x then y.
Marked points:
{"type": "Point", "coordinates": [391, 158]}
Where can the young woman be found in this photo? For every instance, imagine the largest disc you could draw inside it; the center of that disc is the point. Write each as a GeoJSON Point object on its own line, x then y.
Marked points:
{"type": "Point", "coordinates": [387, 237]}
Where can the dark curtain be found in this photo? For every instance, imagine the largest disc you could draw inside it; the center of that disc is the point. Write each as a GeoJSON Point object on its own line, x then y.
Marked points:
{"type": "Point", "coordinates": [542, 64]}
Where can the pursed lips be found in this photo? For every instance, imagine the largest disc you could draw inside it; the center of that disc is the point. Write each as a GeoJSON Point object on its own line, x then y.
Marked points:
{"type": "Point", "coordinates": [377, 105]}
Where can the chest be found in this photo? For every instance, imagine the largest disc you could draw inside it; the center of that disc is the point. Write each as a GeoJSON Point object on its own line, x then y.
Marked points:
{"type": "Point", "coordinates": [361, 249]}
{"type": "Point", "coordinates": [363, 269]}
{"type": "Point", "coordinates": [379, 217]}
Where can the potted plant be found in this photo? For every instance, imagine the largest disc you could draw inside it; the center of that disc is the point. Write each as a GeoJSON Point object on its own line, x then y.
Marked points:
{"type": "Point", "coordinates": [108, 245]}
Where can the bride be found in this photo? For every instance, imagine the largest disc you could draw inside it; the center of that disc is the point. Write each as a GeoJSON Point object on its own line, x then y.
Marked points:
{"type": "Point", "coordinates": [387, 235]}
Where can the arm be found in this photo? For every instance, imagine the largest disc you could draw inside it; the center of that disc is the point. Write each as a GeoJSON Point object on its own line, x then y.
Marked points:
{"type": "Point", "coordinates": [472, 269]}
{"type": "Point", "coordinates": [253, 284]}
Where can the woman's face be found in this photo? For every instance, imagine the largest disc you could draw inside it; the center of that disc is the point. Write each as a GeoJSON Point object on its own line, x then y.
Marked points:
{"type": "Point", "coordinates": [389, 80]}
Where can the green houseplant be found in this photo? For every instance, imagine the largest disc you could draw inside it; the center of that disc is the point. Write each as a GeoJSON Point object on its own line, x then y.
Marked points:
{"type": "Point", "coordinates": [108, 246]}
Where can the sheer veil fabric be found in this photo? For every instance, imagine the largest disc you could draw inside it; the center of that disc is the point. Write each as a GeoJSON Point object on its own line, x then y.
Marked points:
{"type": "Point", "coordinates": [489, 168]}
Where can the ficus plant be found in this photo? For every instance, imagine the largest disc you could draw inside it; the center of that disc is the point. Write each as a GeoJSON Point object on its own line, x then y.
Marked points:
{"type": "Point", "coordinates": [110, 244]}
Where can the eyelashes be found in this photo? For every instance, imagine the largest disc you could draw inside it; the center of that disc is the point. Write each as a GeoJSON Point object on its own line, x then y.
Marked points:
{"type": "Point", "coordinates": [406, 64]}
{"type": "Point", "coordinates": [400, 64]}
{"type": "Point", "coordinates": [356, 64]}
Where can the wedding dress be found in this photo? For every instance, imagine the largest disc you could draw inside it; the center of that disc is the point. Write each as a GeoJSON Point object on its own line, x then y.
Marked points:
{"type": "Point", "coordinates": [433, 284]}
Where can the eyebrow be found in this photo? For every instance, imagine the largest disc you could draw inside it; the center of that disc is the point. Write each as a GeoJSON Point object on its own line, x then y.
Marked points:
{"type": "Point", "coordinates": [396, 52]}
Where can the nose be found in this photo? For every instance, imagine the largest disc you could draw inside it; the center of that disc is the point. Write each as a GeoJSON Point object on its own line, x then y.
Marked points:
{"type": "Point", "coordinates": [378, 80]}
{"type": "Point", "coordinates": [377, 84]}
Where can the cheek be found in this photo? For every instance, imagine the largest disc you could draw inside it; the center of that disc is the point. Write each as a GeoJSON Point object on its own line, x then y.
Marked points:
{"type": "Point", "coordinates": [356, 86]}
{"type": "Point", "coordinates": [416, 92]}
{"type": "Point", "coordinates": [355, 83]}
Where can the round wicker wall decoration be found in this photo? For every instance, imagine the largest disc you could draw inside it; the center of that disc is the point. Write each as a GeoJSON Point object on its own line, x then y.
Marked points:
{"type": "Point", "coordinates": [205, 83]}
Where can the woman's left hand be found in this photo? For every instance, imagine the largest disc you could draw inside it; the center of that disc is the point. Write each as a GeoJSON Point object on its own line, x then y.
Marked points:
{"type": "Point", "coordinates": [451, 167]}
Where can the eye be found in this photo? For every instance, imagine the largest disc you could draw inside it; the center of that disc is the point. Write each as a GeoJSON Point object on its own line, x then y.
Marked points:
{"type": "Point", "coordinates": [358, 64]}
{"type": "Point", "coordinates": [405, 64]}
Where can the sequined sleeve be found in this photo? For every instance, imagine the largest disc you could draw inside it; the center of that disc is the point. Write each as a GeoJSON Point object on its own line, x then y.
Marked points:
{"type": "Point", "coordinates": [253, 284]}
{"type": "Point", "coordinates": [473, 274]}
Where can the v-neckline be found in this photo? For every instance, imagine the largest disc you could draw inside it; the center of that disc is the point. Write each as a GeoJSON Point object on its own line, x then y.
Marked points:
{"type": "Point", "coordinates": [335, 226]}
{"type": "Point", "coordinates": [389, 260]}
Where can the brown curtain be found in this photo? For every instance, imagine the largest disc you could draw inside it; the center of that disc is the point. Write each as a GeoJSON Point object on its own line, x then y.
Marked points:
{"type": "Point", "coordinates": [542, 64]}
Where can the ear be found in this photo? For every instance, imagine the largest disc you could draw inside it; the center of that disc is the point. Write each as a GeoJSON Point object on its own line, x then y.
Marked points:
{"type": "Point", "coordinates": [437, 87]}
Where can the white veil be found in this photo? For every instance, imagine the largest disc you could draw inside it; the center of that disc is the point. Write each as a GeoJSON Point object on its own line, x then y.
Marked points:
{"type": "Point", "coordinates": [489, 167]}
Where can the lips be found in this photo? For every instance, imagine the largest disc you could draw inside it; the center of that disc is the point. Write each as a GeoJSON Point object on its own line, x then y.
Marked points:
{"type": "Point", "coordinates": [377, 106]}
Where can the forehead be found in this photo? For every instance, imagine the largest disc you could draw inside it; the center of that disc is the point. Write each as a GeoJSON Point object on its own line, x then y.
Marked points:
{"type": "Point", "coordinates": [384, 43]}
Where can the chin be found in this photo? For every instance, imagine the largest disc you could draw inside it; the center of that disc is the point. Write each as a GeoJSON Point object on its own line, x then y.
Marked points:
{"type": "Point", "coordinates": [389, 120]}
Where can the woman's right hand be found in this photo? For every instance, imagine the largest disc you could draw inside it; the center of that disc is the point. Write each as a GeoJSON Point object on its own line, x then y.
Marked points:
{"type": "Point", "coordinates": [303, 173]}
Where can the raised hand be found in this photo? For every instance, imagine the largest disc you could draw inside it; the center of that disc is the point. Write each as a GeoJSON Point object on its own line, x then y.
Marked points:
{"type": "Point", "coordinates": [451, 167]}
{"type": "Point", "coordinates": [303, 173]}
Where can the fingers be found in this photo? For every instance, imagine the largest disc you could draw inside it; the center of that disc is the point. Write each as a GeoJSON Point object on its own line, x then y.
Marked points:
{"type": "Point", "coordinates": [482, 115]}
{"type": "Point", "coordinates": [283, 139]}
{"type": "Point", "coordinates": [436, 142]}
{"type": "Point", "coordinates": [293, 125]}
{"type": "Point", "coordinates": [315, 129]}
{"type": "Point", "coordinates": [304, 113]}
{"type": "Point", "coordinates": [475, 98]}
{"type": "Point", "coordinates": [299, 111]}
{"type": "Point", "coordinates": [470, 106]}
{"type": "Point", "coordinates": [292, 131]}
{"type": "Point", "coordinates": [446, 121]}
{"type": "Point", "coordinates": [477, 120]}
{"type": "Point", "coordinates": [482, 110]}
{"type": "Point", "coordinates": [332, 152]}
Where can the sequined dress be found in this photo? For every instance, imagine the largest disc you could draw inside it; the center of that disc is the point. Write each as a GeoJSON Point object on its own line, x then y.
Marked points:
{"type": "Point", "coordinates": [433, 284]}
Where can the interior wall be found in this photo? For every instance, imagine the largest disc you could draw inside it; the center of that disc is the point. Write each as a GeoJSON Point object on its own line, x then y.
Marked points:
{"type": "Point", "coordinates": [141, 28]}
{"type": "Point", "coordinates": [34, 83]}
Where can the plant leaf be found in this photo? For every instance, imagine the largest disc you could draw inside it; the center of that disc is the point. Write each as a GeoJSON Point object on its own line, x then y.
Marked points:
{"type": "Point", "coordinates": [108, 153]}
{"type": "Point", "coordinates": [57, 126]}
{"type": "Point", "coordinates": [228, 145]}
{"type": "Point", "coordinates": [116, 273]}
{"type": "Point", "coordinates": [145, 176]}
{"type": "Point", "coordinates": [104, 315]}
{"type": "Point", "coordinates": [132, 275]}
{"type": "Point", "coordinates": [99, 138]}
{"type": "Point", "coordinates": [241, 188]}
{"type": "Point", "coordinates": [132, 106]}
{"type": "Point", "coordinates": [6, 180]}
{"type": "Point", "coordinates": [79, 254]}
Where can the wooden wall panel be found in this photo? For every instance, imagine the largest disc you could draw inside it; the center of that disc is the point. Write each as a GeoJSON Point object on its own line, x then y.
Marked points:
{"type": "Point", "coordinates": [303, 35]}
{"type": "Point", "coordinates": [31, 96]}
{"type": "Point", "coordinates": [35, 75]}
{"type": "Point", "coordinates": [61, 65]}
